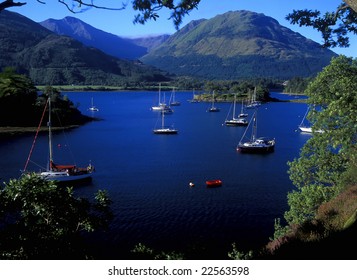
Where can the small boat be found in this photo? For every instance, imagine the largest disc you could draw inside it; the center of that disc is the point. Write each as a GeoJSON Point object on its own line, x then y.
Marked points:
{"type": "Point", "coordinates": [163, 129]}
{"type": "Point", "coordinates": [92, 107]}
{"type": "Point", "coordinates": [259, 145]}
{"type": "Point", "coordinates": [213, 183]}
{"type": "Point", "coordinates": [213, 108]}
{"type": "Point", "coordinates": [59, 172]}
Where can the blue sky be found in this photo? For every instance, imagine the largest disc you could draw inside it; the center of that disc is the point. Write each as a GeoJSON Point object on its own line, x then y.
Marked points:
{"type": "Point", "coordinates": [121, 22]}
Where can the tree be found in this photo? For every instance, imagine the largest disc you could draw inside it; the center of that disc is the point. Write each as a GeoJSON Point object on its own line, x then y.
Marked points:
{"type": "Point", "coordinates": [327, 159]}
{"type": "Point", "coordinates": [333, 26]}
{"type": "Point", "coordinates": [17, 98]}
{"type": "Point", "coordinates": [41, 220]}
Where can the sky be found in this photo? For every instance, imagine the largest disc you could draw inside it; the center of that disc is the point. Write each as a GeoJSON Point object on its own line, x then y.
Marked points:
{"type": "Point", "coordinates": [120, 22]}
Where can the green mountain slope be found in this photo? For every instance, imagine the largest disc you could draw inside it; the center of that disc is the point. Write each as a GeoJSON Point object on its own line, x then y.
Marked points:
{"type": "Point", "coordinates": [239, 44]}
{"type": "Point", "coordinates": [48, 58]}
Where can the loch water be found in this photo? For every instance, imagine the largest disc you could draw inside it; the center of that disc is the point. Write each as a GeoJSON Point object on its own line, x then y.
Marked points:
{"type": "Point", "coordinates": [147, 175]}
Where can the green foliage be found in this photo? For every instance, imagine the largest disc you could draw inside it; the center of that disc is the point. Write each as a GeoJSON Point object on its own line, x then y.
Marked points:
{"type": "Point", "coordinates": [237, 255]}
{"type": "Point", "coordinates": [279, 230]}
{"type": "Point", "coordinates": [41, 220]}
{"type": "Point", "coordinates": [17, 98]}
{"type": "Point", "coordinates": [297, 85]}
{"type": "Point", "coordinates": [144, 252]}
{"type": "Point", "coordinates": [327, 159]}
{"type": "Point", "coordinates": [20, 104]}
{"type": "Point", "coordinates": [148, 9]}
{"type": "Point", "coordinates": [333, 26]}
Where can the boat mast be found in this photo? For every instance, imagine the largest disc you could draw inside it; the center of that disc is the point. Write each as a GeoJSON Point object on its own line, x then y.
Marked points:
{"type": "Point", "coordinates": [254, 133]}
{"type": "Point", "coordinates": [234, 106]}
{"type": "Point", "coordinates": [50, 130]}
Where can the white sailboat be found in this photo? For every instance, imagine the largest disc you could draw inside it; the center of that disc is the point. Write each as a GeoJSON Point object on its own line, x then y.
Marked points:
{"type": "Point", "coordinates": [255, 144]}
{"type": "Point", "coordinates": [161, 106]}
{"type": "Point", "coordinates": [242, 113]}
{"type": "Point", "coordinates": [174, 102]}
{"type": "Point", "coordinates": [253, 102]}
{"type": "Point", "coordinates": [213, 107]}
{"type": "Point", "coordinates": [240, 121]}
{"type": "Point", "coordinates": [193, 100]}
{"type": "Point", "coordinates": [303, 127]}
{"type": "Point", "coordinates": [92, 107]}
{"type": "Point", "coordinates": [163, 129]}
{"type": "Point", "coordinates": [60, 172]}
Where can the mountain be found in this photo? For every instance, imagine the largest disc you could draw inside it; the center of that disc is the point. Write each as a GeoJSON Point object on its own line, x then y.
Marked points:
{"type": "Point", "coordinates": [239, 44]}
{"type": "Point", "coordinates": [48, 58]}
{"type": "Point", "coordinates": [149, 42]}
{"type": "Point", "coordinates": [90, 36]}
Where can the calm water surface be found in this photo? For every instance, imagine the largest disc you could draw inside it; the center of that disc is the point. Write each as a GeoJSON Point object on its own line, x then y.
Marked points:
{"type": "Point", "coordinates": [147, 175]}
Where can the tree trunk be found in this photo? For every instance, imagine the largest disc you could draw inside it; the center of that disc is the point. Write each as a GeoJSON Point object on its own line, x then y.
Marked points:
{"type": "Point", "coordinates": [352, 4]}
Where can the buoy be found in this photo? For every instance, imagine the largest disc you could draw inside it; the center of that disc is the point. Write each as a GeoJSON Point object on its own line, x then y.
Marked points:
{"type": "Point", "coordinates": [191, 184]}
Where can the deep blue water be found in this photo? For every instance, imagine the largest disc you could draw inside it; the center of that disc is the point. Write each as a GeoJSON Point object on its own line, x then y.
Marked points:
{"type": "Point", "coordinates": [147, 175]}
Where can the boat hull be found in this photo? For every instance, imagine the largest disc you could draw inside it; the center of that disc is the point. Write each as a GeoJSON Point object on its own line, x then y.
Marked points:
{"type": "Point", "coordinates": [259, 146]}
{"type": "Point", "coordinates": [236, 123]}
{"type": "Point", "coordinates": [65, 177]}
{"type": "Point", "coordinates": [255, 150]}
{"type": "Point", "coordinates": [165, 131]}
{"type": "Point", "coordinates": [213, 183]}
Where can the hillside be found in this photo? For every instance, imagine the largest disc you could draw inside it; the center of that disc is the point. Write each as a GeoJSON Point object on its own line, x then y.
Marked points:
{"type": "Point", "coordinates": [240, 44]}
{"type": "Point", "coordinates": [90, 36]}
{"type": "Point", "coordinates": [48, 58]}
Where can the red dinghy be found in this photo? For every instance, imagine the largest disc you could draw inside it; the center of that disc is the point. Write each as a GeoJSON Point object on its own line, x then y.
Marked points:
{"type": "Point", "coordinates": [213, 183]}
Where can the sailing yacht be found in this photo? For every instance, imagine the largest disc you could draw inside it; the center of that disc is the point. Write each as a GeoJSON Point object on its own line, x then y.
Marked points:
{"type": "Point", "coordinates": [60, 172]}
{"type": "Point", "coordinates": [255, 144]}
{"type": "Point", "coordinates": [253, 103]}
{"type": "Point", "coordinates": [241, 121]}
{"type": "Point", "coordinates": [174, 102]}
{"type": "Point", "coordinates": [163, 129]}
{"type": "Point", "coordinates": [303, 127]}
{"type": "Point", "coordinates": [92, 107]}
{"type": "Point", "coordinates": [213, 108]}
{"type": "Point", "coordinates": [242, 113]}
{"type": "Point", "coordinates": [162, 106]}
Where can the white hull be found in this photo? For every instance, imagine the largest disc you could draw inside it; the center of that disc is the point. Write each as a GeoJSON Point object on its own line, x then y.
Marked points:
{"type": "Point", "coordinates": [165, 131]}
{"type": "Point", "coordinates": [61, 176]}
{"type": "Point", "coordinates": [308, 129]}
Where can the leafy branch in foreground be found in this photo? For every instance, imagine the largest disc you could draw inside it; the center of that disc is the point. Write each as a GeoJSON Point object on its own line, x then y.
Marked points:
{"type": "Point", "coordinates": [41, 220]}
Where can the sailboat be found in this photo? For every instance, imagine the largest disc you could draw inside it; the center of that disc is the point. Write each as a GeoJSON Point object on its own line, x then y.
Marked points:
{"type": "Point", "coordinates": [162, 106]}
{"type": "Point", "coordinates": [253, 103]}
{"type": "Point", "coordinates": [174, 102]}
{"type": "Point", "coordinates": [306, 128]}
{"type": "Point", "coordinates": [242, 113]}
{"type": "Point", "coordinates": [163, 129]}
{"type": "Point", "coordinates": [213, 108]}
{"type": "Point", "coordinates": [236, 121]}
{"type": "Point", "coordinates": [92, 107]}
{"type": "Point", "coordinates": [255, 144]}
{"type": "Point", "coordinates": [193, 100]}
{"type": "Point", "coordinates": [60, 172]}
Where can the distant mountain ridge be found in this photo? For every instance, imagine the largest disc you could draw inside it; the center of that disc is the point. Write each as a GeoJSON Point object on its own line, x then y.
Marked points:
{"type": "Point", "coordinates": [90, 36]}
{"type": "Point", "coordinates": [48, 58]}
{"type": "Point", "coordinates": [239, 44]}
{"type": "Point", "coordinates": [120, 47]}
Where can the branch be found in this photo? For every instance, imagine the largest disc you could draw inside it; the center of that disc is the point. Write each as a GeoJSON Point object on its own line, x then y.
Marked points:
{"type": "Point", "coordinates": [10, 3]}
